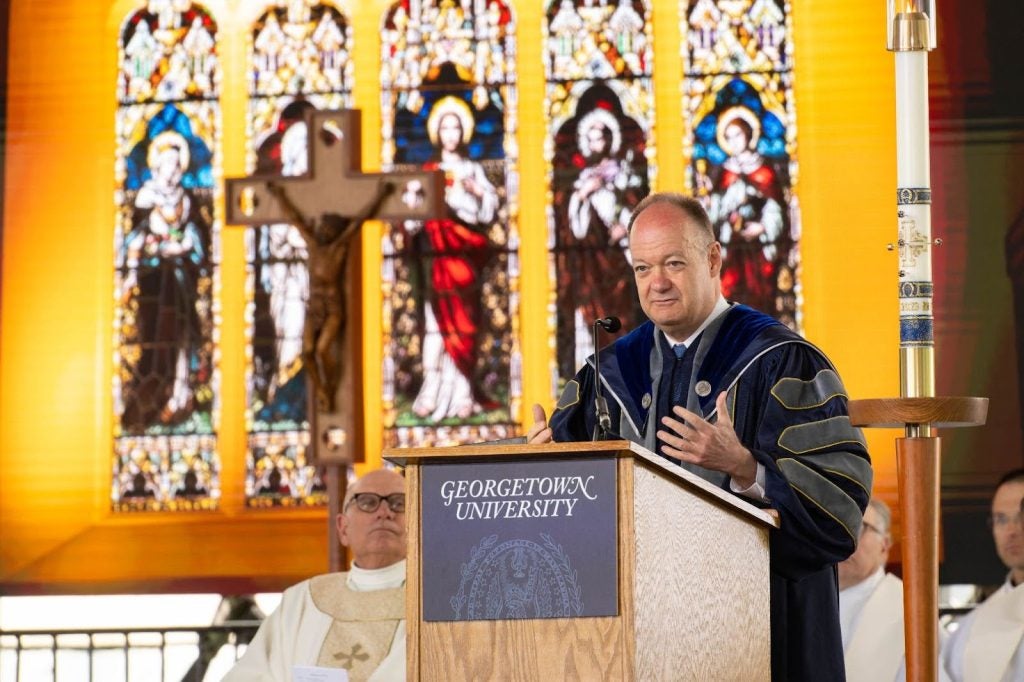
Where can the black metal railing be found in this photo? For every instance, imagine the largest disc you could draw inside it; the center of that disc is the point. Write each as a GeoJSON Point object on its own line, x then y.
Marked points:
{"type": "Point", "coordinates": [128, 654]}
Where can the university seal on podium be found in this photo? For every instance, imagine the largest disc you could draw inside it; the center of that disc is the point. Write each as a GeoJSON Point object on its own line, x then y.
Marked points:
{"type": "Point", "coordinates": [517, 579]}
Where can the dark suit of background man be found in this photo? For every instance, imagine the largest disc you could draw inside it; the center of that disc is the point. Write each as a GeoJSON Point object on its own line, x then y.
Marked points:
{"type": "Point", "coordinates": [739, 399]}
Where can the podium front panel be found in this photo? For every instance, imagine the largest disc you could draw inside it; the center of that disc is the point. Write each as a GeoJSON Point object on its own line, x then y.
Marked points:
{"type": "Point", "coordinates": [520, 539]}
{"type": "Point", "coordinates": [692, 593]}
{"type": "Point", "coordinates": [702, 587]}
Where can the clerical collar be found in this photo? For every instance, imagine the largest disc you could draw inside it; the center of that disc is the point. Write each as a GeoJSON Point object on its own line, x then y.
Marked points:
{"type": "Point", "coordinates": [721, 305]}
{"type": "Point", "coordinates": [367, 579]}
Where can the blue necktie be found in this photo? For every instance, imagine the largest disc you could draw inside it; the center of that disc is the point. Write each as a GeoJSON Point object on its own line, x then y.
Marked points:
{"type": "Point", "coordinates": [675, 378]}
{"type": "Point", "coordinates": [680, 376]}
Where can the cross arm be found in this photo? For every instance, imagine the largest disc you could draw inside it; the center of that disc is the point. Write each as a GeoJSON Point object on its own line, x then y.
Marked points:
{"type": "Point", "coordinates": [335, 184]}
{"type": "Point", "coordinates": [415, 195]}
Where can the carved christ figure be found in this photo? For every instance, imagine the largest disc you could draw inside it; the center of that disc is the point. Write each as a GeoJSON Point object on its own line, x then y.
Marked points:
{"type": "Point", "coordinates": [327, 243]}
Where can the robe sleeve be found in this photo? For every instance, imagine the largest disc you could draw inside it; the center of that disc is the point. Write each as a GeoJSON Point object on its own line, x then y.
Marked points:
{"type": "Point", "coordinates": [291, 635]}
{"type": "Point", "coordinates": [574, 416]}
{"type": "Point", "coordinates": [817, 469]}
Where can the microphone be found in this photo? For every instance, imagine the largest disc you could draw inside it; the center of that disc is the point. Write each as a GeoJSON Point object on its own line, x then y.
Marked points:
{"type": "Point", "coordinates": [603, 427]}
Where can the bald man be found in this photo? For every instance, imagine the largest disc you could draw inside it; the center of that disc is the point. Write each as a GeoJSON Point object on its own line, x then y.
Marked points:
{"type": "Point", "coordinates": [353, 620]}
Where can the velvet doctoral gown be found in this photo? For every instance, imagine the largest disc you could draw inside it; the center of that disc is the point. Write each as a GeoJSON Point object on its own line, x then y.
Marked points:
{"type": "Point", "coordinates": [789, 408]}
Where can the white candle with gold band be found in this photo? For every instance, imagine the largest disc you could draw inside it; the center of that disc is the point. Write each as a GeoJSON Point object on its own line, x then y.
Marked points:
{"type": "Point", "coordinates": [911, 36]}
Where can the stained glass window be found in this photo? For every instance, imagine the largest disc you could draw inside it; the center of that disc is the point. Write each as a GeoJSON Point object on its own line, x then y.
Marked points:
{"type": "Point", "coordinates": [740, 123]}
{"type": "Point", "coordinates": [166, 237]}
{"type": "Point", "coordinates": [451, 285]}
{"type": "Point", "coordinates": [600, 164]}
{"type": "Point", "coordinates": [300, 59]}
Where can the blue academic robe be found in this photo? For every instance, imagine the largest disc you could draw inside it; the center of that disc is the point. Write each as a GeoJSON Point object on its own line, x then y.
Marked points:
{"type": "Point", "coordinates": [790, 410]}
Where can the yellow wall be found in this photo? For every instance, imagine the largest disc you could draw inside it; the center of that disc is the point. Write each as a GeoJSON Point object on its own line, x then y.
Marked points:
{"type": "Point", "coordinates": [845, 99]}
{"type": "Point", "coordinates": [56, 531]}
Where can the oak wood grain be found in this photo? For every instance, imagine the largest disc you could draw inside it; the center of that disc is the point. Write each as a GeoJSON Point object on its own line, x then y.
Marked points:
{"type": "Point", "coordinates": [702, 587]}
{"type": "Point", "coordinates": [941, 412]}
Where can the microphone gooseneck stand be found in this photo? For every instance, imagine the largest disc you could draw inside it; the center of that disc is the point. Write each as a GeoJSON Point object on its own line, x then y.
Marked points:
{"type": "Point", "coordinates": [603, 426]}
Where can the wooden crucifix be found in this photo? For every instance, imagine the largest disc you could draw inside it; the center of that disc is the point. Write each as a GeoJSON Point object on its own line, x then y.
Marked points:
{"type": "Point", "coordinates": [328, 204]}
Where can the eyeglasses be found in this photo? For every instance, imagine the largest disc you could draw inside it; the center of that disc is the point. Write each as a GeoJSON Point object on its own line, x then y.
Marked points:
{"type": "Point", "coordinates": [1001, 521]}
{"type": "Point", "coordinates": [368, 502]}
{"type": "Point", "coordinates": [865, 526]}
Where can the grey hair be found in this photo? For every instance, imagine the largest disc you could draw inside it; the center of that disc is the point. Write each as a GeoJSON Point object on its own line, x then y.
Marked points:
{"type": "Point", "coordinates": [882, 509]}
{"type": "Point", "coordinates": [349, 494]}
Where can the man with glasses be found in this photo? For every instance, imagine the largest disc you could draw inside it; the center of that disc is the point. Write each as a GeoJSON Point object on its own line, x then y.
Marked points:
{"type": "Point", "coordinates": [743, 402]}
{"type": "Point", "coordinates": [871, 604]}
{"type": "Point", "coordinates": [987, 644]}
{"type": "Point", "coordinates": [353, 620]}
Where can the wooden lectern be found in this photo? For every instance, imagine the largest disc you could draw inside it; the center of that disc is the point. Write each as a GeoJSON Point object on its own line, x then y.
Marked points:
{"type": "Point", "coordinates": [692, 581]}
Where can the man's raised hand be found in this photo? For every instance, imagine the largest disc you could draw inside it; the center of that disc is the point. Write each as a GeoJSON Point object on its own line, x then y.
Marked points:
{"type": "Point", "coordinates": [690, 438]}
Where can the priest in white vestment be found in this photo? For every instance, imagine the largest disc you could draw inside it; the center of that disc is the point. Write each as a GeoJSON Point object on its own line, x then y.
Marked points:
{"type": "Point", "coordinates": [988, 644]}
{"type": "Point", "coordinates": [353, 620]}
{"type": "Point", "coordinates": [871, 604]}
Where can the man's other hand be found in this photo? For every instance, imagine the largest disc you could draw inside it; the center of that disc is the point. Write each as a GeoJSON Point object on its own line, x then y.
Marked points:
{"type": "Point", "coordinates": [540, 432]}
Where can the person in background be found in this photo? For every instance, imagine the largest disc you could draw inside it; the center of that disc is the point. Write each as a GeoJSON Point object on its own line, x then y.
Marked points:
{"type": "Point", "coordinates": [987, 644]}
{"type": "Point", "coordinates": [353, 620]}
{"type": "Point", "coordinates": [871, 604]}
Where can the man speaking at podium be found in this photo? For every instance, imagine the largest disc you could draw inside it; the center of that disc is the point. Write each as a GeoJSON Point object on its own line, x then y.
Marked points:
{"type": "Point", "coordinates": [739, 399]}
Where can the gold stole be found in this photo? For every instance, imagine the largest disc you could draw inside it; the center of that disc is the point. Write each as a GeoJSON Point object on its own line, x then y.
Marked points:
{"type": "Point", "coordinates": [994, 636]}
{"type": "Point", "coordinates": [364, 624]}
